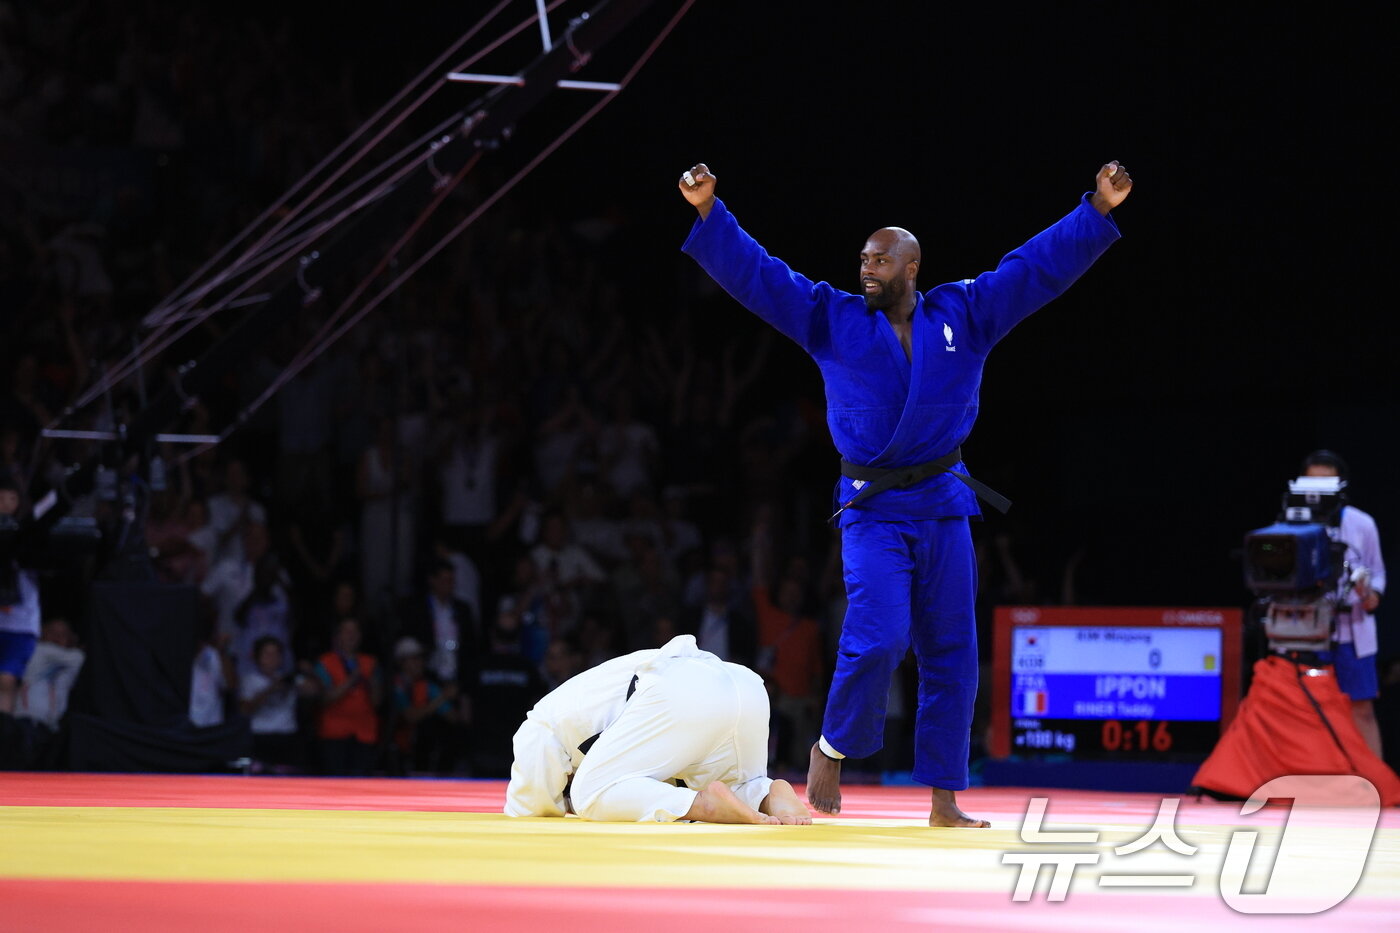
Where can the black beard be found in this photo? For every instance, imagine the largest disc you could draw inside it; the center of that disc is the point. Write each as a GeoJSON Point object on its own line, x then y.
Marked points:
{"type": "Point", "coordinates": [889, 295]}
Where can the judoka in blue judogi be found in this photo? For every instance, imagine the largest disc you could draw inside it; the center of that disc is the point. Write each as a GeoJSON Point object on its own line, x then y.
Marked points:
{"type": "Point", "coordinates": [902, 371]}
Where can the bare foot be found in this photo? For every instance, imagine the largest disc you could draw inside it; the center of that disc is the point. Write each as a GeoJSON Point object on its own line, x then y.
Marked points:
{"type": "Point", "coordinates": [717, 804]}
{"type": "Point", "coordinates": [782, 802]}
{"type": "Point", "coordinates": [945, 812]}
{"type": "Point", "coordinates": [824, 782]}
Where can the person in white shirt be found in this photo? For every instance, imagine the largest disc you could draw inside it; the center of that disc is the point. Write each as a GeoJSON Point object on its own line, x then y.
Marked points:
{"type": "Point", "coordinates": [233, 580]}
{"type": "Point", "coordinates": [468, 454]}
{"type": "Point", "coordinates": [563, 562]}
{"type": "Point", "coordinates": [49, 675]}
{"type": "Point", "coordinates": [1354, 659]}
{"type": "Point", "coordinates": [268, 697]}
{"type": "Point", "coordinates": [231, 510]}
{"type": "Point", "coordinates": [612, 743]}
{"type": "Point", "coordinates": [203, 537]}
{"type": "Point", "coordinates": [209, 682]}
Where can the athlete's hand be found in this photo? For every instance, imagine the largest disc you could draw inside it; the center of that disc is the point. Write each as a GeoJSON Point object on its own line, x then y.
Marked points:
{"type": "Point", "coordinates": [1113, 183]}
{"type": "Point", "coordinates": [702, 196]}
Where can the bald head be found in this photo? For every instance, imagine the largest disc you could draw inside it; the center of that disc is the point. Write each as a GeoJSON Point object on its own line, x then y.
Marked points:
{"type": "Point", "coordinates": [897, 241]}
{"type": "Point", "coordinates": [889, 267]}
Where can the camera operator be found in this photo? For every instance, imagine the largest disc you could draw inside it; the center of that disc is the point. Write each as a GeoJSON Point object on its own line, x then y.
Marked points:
{"type": "Point", "coordinates": [1354, 657]}
{"type": "Point", "coordinates": [19, 607]}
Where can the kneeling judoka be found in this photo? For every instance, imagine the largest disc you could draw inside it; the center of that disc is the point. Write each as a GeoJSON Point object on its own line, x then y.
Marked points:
{"type": "Point", "coordinates": [632, 739]}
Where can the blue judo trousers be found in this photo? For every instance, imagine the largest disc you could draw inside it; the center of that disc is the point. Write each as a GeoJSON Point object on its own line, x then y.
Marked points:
{"type": "Point", "coordinates": [910, 569]}
{"type": "Point", "coordinates": [908, 582]}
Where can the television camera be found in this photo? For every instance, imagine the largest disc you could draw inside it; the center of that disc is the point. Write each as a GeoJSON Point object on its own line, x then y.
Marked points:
{"type": "Point", "coordinates": [1297, 567]}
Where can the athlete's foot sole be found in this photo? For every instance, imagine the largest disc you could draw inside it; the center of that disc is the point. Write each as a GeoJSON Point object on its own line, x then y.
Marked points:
{"type": "Point", "coordinates": [783, 803]}
{"type": "Point", "coordinates": [717, 804]}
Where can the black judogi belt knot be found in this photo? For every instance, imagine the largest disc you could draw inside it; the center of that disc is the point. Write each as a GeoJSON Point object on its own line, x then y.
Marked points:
{"type": "Point", "coordinates": [878, 479]}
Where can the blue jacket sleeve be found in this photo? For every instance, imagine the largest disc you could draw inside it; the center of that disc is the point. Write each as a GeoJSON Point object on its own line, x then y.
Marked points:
{"type": "Point", "coordinates": [766, 286]}
{"type": "Point", "coordinates": [1039, 271]}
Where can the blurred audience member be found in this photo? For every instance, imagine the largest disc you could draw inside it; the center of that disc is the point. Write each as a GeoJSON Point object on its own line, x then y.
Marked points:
{"type": "Point", "coordinates": [318, 545]}
{"type": "Point", "coordinates": [232, 511]}
{"type": "Point", "coordinates": [426, 720]}
{"type": "Point", "coordinates": [268, 697]}
{"type": "Point", "coordinates": [562, 660]}
{"type": "Point", "coordinates": [466, 578]}
{"type": "Point", "coordinates": [719, 626]}
{"type": "Point", "coordinates": [49, 675]}
{"type": "Point", "coordinates": [563, 562]}
{"type": "Point", "coordinates": [679, 535]}
{"type": "Point", "coordinates": [468, 455]}
{"type": "Point", "coordinates": [592, 528]}
{"type": "Point", "coordinates": [212, 676]}
{"type": "Point", "coordinates": [645, 589]}
{"type": "Point", "coordinates": [232, 580]}
{"type": "Point", "coordinates": [19, 606]}
{"type": "Point", "coordinates": [627, 448]}
{"type": "Point", "coordinates": [599, 639]}
{"type": "Point", "coordinates": [350, 698]}
{"type": "Point", "coordinates": [444, 626]}
{"type": "Point", "coordinates": [176, 559]}
{"type": "Point", "coordinates": [266, 612]}
{"type": "Point", "coordinates": [387, 528]}
{"type": "Point", "coordinates": [789, 655]}
{"type": "Point", "coordinates": [504, 687]}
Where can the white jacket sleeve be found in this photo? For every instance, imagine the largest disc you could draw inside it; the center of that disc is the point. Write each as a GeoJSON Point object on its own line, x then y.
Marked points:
{"type": "Point", "coordinates": [539, 774]}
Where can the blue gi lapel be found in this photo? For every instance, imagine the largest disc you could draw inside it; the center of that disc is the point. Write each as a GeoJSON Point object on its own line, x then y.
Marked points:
{"type": "Point", "coordinates": [897, 447]}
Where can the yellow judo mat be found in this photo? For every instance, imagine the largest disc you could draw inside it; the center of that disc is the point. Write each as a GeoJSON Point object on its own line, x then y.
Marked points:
{"type": "Point", "coordinates": [147, 851]}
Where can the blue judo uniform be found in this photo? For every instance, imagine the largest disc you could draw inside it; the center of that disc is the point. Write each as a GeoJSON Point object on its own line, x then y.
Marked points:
{"type": "Point", "coordinates": [909, 565]}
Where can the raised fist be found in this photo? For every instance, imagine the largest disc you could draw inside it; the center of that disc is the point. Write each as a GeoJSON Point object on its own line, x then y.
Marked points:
{"type": "Point", "coordinates": [698, 187]}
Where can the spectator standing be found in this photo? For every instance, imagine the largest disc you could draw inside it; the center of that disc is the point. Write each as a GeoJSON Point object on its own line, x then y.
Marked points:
{"type": "Point", "coordinates": [789, 656]}
{"type": "Point", "coordinates": [427, 733]}
{"type": "Point", "coordinates": [627, 448]}
{"type": "Point", "coordinates": [386, 520]}
{"type": "Point", "coordinates": [268, 697]}
{"type": "Point", "coordinates": [719, 625]}
{"type": "Point", "coordinates": [232, 580]}
{"type": "Point", "coordinates": [266, 612]}
{"type": "Point", "coordinates": [468, 454]}
{"type": "Point", "coordinates": [49, 675]}
{"type": "Point", "coordinates": [506, 684]}
{"type": "Point", "coordinates": [231, 511]}
{"type": "Point", "coordinates": [562, 660]}
{"type": "Point", "coordinates": [19, 607]}
{"type": "Point", "coordinates": [350, 697]}
{"type": "Point", "coordinates": [444, 626]}
{"type": "Point", "coordinates": [211, 678]}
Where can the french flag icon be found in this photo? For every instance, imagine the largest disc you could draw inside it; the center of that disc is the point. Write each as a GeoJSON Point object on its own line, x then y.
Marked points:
{"type": "Point", "coordinates": [1033, 702]}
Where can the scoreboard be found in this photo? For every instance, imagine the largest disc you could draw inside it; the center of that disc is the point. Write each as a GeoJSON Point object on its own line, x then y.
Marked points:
{"type": "Point", "coordinates": [1113, 683]}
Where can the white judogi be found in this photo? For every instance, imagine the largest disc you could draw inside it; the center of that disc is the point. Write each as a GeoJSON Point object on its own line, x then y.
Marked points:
{"type": "Point", "coordinates": [692, 717]}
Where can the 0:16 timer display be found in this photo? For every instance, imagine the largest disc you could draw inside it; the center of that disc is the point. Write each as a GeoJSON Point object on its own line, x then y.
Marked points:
{"type": "Point", "coordinates": [1144, 739]}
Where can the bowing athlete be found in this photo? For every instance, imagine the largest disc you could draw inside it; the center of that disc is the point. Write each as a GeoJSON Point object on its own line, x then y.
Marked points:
{"type": "Point", "coordinates": [658, 735]}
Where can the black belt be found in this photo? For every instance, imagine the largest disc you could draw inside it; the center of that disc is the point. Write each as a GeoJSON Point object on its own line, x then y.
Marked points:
{"type": "Point", "coordinates": [587, 743]}
{"type": "Point", "coordinates": [878, 479]}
